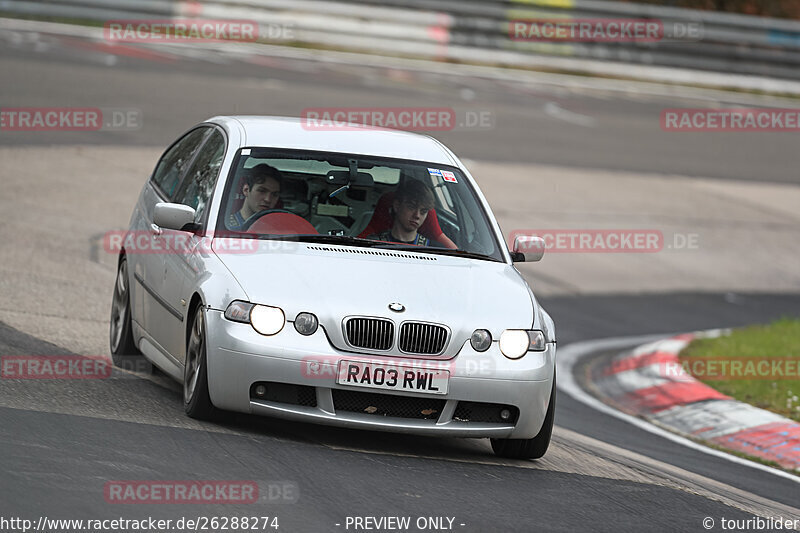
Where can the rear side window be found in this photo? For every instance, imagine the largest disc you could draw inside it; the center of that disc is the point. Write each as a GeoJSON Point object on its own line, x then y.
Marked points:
{"type": "Point", "coordinates": [198, 185]}
{"type": "Point", "coordinates": [173, 163]}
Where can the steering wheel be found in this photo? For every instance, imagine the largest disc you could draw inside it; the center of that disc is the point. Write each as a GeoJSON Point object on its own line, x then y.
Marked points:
{"type": "Point", "coordinates": [250, 221]}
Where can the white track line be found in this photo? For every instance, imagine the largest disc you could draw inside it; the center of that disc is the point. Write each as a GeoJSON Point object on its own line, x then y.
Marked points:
{"type": "Point", "coordinates": [569, 355]}
{"type": "Point", "coordinates": [558, 112]}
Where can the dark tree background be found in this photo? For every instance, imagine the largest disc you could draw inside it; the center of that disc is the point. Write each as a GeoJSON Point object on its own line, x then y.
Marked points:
{"type": "Point", "coordinates": [764, 8]}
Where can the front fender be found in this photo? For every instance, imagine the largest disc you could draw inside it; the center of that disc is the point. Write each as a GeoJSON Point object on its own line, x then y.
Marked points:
{"type": "Point", "coordinates": [214, 283]}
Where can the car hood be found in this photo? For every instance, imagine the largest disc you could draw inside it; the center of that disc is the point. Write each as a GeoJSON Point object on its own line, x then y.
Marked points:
{"type": "Point", "coordinates": [334, 282]}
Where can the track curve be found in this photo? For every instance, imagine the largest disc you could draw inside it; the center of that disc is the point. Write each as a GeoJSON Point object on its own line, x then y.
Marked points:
{"type": "Point", "coordinates": [60, 442]}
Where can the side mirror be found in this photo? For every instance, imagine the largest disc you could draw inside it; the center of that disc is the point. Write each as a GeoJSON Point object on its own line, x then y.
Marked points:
{"type": "Point", "coordinates": [174, 216]}
{"type": "Point", "coordinates": [527, 248]}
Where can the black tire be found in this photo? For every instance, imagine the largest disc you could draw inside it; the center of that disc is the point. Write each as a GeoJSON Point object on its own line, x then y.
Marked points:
{"type": "Point", "coordinates": [196, 400]}
{"type": "Point", "coordinates": [123, 349]}
{"type": "Point", "coordinates": [534, 448]}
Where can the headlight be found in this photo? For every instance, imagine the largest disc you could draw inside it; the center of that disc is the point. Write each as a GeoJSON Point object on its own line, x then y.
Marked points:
{"type": "Point", "coordinates": [267, 320]}
{"type": "Point", "coordinates": [239, 311]}
{"type": "Point", "coordinates": [306, 323]}
{"type": "Point", "coordinates": [514, 343]}
{"type": "Point", "coordinates": [481, 340]}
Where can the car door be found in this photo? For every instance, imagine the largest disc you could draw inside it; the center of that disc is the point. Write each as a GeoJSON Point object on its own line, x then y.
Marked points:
{"type": "Point", "coordinates": [180, 271]}
{"type": "Point", "coordinates": [150, 309]}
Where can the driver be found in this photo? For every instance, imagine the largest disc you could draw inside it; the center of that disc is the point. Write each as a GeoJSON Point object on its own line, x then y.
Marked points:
{"type": "Point", "coordinates": [412, 202]}
{"type": "Point", "coordinates": [261, 190]}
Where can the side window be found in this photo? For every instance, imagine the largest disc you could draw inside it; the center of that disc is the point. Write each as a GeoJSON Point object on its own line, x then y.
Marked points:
{"type": "Point", "coordinates": [198, 185]}
{"type": "Point", "coordinates": [173, 163]}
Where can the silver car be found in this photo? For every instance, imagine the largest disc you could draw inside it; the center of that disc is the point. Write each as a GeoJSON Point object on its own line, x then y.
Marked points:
{"type": "Point", "coordinates": [341, 275]}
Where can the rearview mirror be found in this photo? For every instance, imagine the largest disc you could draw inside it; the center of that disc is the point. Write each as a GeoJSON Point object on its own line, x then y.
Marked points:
{"type": "Point", "coordinates": [174, 216]}
{"type": "Point", "coordinates": [343, 177]}
{"type": "Point", "coordinates": [527, 248]}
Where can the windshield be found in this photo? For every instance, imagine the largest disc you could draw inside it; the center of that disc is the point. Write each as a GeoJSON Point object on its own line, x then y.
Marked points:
{"type": "Point", "coordinates": [280, 194]}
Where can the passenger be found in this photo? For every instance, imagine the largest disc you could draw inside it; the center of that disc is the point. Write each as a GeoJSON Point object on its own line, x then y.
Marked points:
{"type": "Point", "coordinates": [412, 202]}
{"type": "Point", "coordinates": [261, 190]}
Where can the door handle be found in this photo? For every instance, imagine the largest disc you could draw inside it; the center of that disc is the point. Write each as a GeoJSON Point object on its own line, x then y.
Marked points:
{"type": "Point", "coordinates": [156, 230]}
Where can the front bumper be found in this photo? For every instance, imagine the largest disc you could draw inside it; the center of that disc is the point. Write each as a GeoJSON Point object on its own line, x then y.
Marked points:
{"type": "Point", "coordinates": [239, 357]}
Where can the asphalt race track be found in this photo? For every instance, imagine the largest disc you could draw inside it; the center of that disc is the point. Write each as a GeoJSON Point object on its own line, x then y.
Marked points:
{"type": "Point", "coordinates": [61, 441]}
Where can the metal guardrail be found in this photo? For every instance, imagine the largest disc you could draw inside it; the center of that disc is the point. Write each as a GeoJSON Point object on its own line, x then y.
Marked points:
{"type": "Point", "coordinates": [730, 43]}
{"type": "Point", "coordinates": [478, 30]}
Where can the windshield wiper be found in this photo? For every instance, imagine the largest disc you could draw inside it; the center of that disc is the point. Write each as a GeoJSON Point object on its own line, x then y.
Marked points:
{"type": "Point", "coordinates": [324, 239]}
{"type": "Point", "coordinates": [436, 250]}
{"type": "Point", "coordinates": [369, 243]}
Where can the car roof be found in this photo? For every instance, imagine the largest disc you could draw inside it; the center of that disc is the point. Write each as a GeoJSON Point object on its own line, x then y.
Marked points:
{"type": "Point", "coordinates": [296, 133]}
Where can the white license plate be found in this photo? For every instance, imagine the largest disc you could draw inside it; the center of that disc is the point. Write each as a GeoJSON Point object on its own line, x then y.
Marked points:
{"type": "Point", "coordinates": [391, 377]}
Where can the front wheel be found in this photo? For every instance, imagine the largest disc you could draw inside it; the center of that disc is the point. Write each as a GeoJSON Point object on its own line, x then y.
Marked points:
{"type": "Point", "coordinates": [534, 448]}
{"type": "Point", "coordinates": [120, 331]}
{"type": "Point", "coordinates": [196, 400]}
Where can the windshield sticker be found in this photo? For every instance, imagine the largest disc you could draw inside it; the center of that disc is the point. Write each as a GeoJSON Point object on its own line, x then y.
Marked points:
{"type": "Point", "coordinates": [246, 151]}
{"type": "Point", "coordinates": [435, 172]}
{"type": "Point", "coordinates": [449, 176]}
{"type": "Point", "coordinates": [446, 175]}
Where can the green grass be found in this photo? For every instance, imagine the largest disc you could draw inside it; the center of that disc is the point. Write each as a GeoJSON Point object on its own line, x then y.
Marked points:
{"type": "Point", "coordinates": [780, 339]}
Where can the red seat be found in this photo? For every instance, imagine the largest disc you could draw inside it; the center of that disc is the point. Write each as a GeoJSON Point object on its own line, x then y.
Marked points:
{"type": "Point", "coordinates": [382, 220]}
{"type": "Point", "coordinates": [282, 224]}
